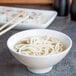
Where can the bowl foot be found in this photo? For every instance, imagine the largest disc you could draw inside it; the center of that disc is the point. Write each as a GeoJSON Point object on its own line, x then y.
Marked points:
{"type": "Point", "coordinates": [40, 71]}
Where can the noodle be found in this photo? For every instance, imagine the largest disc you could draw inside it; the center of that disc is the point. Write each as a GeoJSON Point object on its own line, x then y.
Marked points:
{"type": "Point", "coordinates": [39, 45]}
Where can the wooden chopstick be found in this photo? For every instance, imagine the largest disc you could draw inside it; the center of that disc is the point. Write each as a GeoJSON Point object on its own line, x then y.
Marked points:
{"type": "Point", "coordinates": [14, 25]}
{"type": "Point", "coordinates": [15, 17]}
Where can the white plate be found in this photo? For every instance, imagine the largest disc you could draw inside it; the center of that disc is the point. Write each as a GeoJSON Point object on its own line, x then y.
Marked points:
{"type": "Point", "coordinates": [45, 17]}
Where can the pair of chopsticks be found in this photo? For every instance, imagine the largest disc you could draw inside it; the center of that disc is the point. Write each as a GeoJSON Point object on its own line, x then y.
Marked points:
{"type": "Point", "coordinates": [14, 25]}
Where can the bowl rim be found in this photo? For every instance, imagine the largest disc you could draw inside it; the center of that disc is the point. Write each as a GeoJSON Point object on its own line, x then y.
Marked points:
{"type": "Point", "coordinates": [66, 50]}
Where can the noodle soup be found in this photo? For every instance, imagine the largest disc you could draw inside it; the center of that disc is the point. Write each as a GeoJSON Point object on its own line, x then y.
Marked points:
{"type": "Point", "coordinates": [39, 45]}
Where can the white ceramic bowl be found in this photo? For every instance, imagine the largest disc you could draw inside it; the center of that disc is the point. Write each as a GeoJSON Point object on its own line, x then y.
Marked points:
{"type": "Point", "coordinates": [39, 64]}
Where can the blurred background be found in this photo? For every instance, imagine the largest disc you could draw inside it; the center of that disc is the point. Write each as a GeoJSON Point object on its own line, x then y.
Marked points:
{"type": "Point", "coordinates": [41, 4]}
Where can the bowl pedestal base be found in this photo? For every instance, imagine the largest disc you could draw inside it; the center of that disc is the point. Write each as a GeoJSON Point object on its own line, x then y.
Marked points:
{"type": "Point", "coordinates": [40, 71]}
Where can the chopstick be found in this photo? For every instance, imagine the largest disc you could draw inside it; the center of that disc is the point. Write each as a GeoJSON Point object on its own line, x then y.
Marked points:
{"type": "Point", "coordinates": [16, 16]}
{"type": "Point", "coordinates": [14, 25]}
